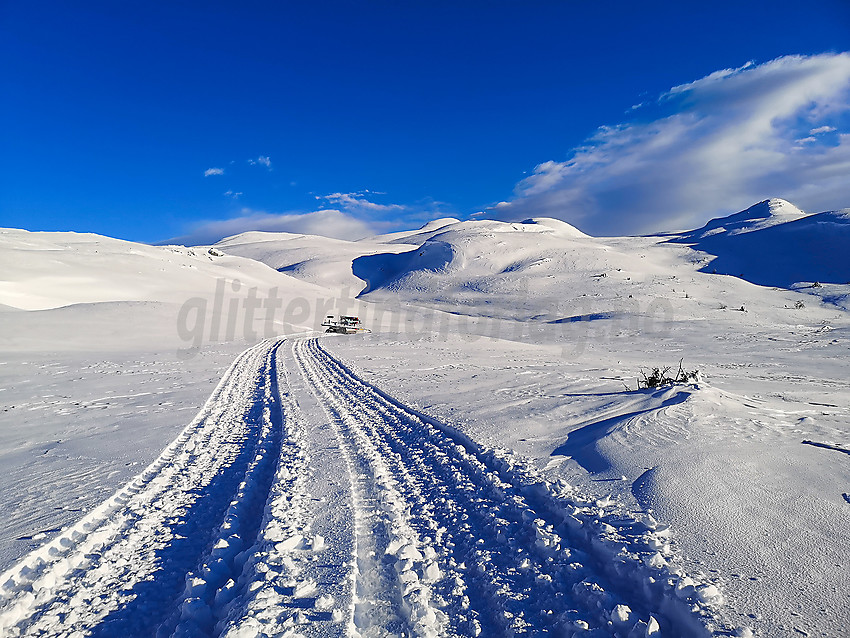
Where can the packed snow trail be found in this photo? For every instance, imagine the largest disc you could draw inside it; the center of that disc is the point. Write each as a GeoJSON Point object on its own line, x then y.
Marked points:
{"type": "Point", "coordinates": [312, 504]}
{"type": "Point", "coordinates": [202, 543]}
{"type": "Point", "coordinates": [454, 539]}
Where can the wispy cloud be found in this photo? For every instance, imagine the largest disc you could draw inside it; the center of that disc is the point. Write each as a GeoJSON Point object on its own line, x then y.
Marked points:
{"type": "Point", "coordinates": [706, 148]}
{"type": "Point", "coordinates": [213, 171]}
{"type": "Point", "coordinates": [358, 203]}
{"type": "Point", "coordinates": [327, 223]}
{"type": "Point", "coordinates": [262, 160]}
{"type": "Point", "coordinates": [349, 216]}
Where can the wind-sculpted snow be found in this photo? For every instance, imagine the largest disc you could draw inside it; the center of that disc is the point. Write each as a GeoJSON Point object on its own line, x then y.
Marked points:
{"type": "Point", "coordinates": [455, 539]}
{"type": "Point", "coordinates": [354, 515]}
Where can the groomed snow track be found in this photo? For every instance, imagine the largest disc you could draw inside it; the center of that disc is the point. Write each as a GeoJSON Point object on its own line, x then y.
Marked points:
{"type": "Point", "coordinates": [175, 551]}
{"type": "Point", "coordinates": [218, 537]}
{"type": "Point", "coordinates": [454, 539]}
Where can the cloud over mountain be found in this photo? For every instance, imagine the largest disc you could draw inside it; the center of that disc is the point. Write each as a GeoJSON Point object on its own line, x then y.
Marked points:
{"type": "Point", "coordinates": [327, 223]}
{"type": "Point", "coordinates": [705, 148]}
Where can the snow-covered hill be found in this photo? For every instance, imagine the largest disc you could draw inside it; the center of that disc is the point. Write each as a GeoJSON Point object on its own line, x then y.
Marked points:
{"type": "Point", "coordinates": [547, 271]}
{"type": "Point", "coordinates": [324, 261]}
{"type": "Point", "coordinates": [765, 214]}
{"type": "Point", "coordinates": [773, 243]}
{"type": "Point", "coordinates": [319, 260]}
{"type": "Point", "coordinates": [87, 291]}
{"type": "Point", "coordinates": [48, 270]}
{"type": "Point", "coordinates": [417, 236]}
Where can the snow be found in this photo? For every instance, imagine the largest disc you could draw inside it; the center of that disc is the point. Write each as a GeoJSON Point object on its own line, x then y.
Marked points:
{"type": "Point", "coordinates": [50, 270]}
{"type": "Point", "coordinates": [482, 463]}
{"type": "Point", "coordinates": [766, 214]}
{"type": "Point", "coordinates": [415, 237]}
{"type": "Point", "coordinates": [326, 262]}
{"type": "Point", "coordinates": [775, 244]}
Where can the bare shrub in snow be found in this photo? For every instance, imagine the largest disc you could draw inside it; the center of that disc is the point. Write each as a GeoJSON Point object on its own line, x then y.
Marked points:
{"type": "Point", "coordinates": [660, 377]}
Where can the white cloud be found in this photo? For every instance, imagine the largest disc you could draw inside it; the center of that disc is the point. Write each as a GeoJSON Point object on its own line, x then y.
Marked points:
{"type": "Point", "coordinates": [357, 202]}
{"type": "Point", "coordinates": [822, 129]}
{"type": "Point", "coordinates": [327, 223]}
{"type": "Point", "coordinates": [262, 160]}
{"type": "Point", "coordinates": [349, 216]}
{"type": "Point", "coordinates": [213, 171]}
{"type": "Point", "coordinates": [715, 146]}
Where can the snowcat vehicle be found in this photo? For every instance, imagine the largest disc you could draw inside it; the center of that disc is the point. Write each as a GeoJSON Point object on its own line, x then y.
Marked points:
{"type": "Point", "coordinates": [344, 325]}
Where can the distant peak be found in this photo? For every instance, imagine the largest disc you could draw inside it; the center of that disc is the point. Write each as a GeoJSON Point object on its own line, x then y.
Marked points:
{"type": "Point", "coordinates": [767, 213]}
{"type": "Point", "coordinates": [253, 236]}
{"type": "Point", "coordinates": [777, 206]}
{"type": "Point", "coordinates": [439, 223]}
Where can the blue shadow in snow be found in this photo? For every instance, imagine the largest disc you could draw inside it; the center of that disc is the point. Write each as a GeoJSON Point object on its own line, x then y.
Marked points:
{"type": "Point", "coordinates": [581, 444]}
{"type": "Point", "coordinates": [384, 269]}
{"type": "Point", "coordinates": [593, 316]}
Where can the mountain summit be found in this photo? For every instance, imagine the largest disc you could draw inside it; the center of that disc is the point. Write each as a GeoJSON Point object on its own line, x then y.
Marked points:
{"type": "Point", "coordinates": [765, 214]}
{"type": "Point", "coordinates": [774, 243]}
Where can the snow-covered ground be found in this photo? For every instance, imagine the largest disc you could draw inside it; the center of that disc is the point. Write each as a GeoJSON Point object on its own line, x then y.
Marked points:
{"type": "Point", "coordinates": [419, 531]}
{"type": "Point", "coordinates": [480, 463]}
{"type": "Point", "coordinates": [76, 426]}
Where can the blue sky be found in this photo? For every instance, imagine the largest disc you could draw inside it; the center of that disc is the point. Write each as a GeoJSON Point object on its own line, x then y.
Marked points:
{"type": "Point", "coordinates": [620, 117]}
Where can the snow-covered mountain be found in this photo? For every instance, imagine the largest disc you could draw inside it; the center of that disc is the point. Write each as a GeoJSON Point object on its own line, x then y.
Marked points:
{"type": "Point", "coordinates": [773, 243]}
{"type": "Point", "coordinates": [547, 270]}
{"type": "Point", "coordinates": [325, 261]}
{"type": "Point", "coordinates": [318, 260]}
{"type": "Point", "coordinates": [765, 214]}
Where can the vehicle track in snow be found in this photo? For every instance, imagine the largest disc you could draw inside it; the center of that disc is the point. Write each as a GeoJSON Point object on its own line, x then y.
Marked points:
{"type": "Point", "coordinates": [176, 551]}
{"type": "Point", "coordinates": [455, 539]}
